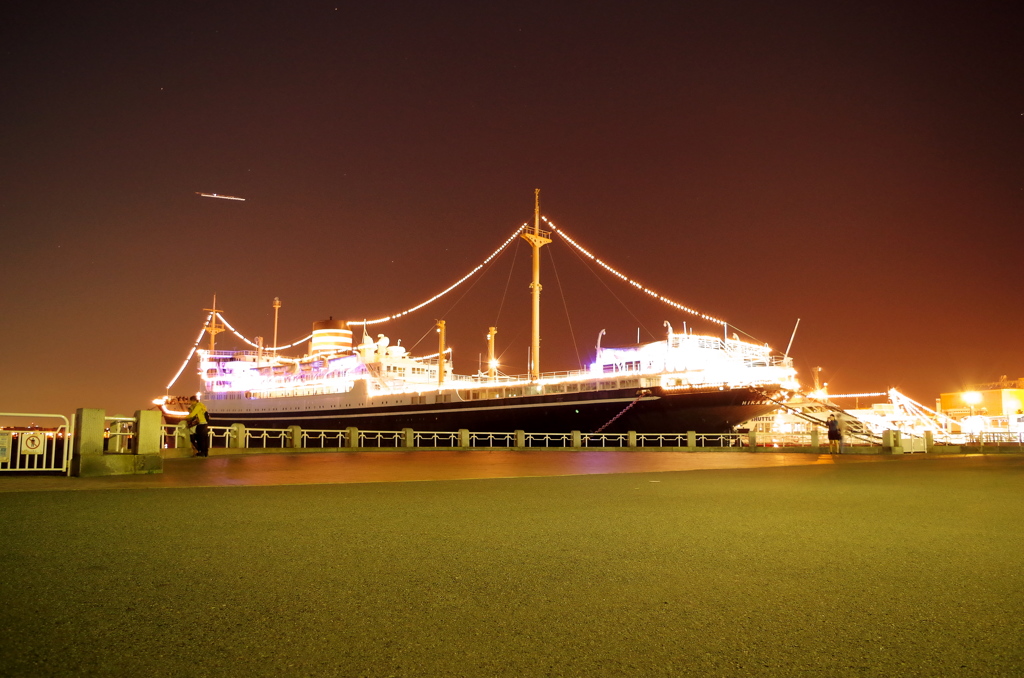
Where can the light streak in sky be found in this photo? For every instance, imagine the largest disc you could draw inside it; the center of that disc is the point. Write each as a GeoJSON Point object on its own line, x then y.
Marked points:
{"type": "Point", "coordinates": [218, 195]}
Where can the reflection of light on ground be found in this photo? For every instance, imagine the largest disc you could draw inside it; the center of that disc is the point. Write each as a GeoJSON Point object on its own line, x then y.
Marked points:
{"type": "Point", "coordinates": [313, 468]}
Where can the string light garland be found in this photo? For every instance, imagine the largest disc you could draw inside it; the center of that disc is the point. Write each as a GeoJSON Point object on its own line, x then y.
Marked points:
{"type": "Point", "coordinates": [191, 353]}
{"type": "Point", "coordinates": [565, 236]}
{"type": "Point", "coordinates": [629, 280]}
{"type": "Point", "coordinates": [441, 294]}
{"type": "Point", "coordinates": [255, 345]}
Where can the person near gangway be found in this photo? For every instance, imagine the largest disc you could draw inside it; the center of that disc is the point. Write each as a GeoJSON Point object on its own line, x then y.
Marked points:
{"type": "Point", "coordinates": [835, 435]}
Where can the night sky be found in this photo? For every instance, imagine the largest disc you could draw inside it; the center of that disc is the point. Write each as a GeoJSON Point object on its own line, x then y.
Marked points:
{"type": "Point", "coordinates": [855, 165]}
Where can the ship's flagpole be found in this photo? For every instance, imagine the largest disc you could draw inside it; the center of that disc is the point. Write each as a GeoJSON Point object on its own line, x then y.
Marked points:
{"type": "Point", "coordinates": [537, 239]}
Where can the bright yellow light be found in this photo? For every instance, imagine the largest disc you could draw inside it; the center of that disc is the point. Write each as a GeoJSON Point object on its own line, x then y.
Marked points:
{"type": "Point", "coordinates": [971, 397]}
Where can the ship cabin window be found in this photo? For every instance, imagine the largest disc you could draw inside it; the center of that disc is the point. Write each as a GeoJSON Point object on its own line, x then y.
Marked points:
{"type": "Point", "coordinates": [572, 388]}
{"type": "Point", "coordinates": [629, 383]}
{"type": "Point", "coordinates": [554, 388]}
{"type": "Point", "coordinates": [588, 386]}
{"type": "Point", "coordinates": [419, 370]}
{"type": "Point", "coordinates": [446, 398]}
{"type": "Point", "coordinates": [609, 384]}
{"type": "Point", "coordinates": [514, 392]}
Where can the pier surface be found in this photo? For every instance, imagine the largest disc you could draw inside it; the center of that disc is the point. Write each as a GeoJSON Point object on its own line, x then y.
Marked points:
{"type": "Point", "coordinates": [517, 564]}
{"type": "Point", "coordinates": [319, 468]}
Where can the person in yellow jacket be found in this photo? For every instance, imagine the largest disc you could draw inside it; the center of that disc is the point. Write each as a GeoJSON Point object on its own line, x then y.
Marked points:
{"type": "Point", "coordinates": [198, 418]}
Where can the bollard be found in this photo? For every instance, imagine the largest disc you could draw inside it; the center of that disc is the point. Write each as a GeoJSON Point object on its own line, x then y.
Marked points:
{"type": "Point", "coordinates": [352, 437]}
{"type": "Point", "coordinates": [463, 437]}
{"type": "Point", "coordinates": [691, 441]}
{"type": "Point", "coordinates": [408, 437]}
{"type": "Point", "coordinates": [575, 439]}
{"type": "Point", "coordinates": [236, 436]}
{"type": "Point", "coordinates": [520, 437]}
{"type": "Point", "coordinates": [295, 436]}
{"type": "Point", "coordinates": [631, 439]}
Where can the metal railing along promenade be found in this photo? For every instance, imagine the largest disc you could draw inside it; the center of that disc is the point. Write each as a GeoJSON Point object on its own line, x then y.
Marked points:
{"type": "Point", "coordinates": [35, 442]}
{"type": "Point", "coordinates": [340, 439]}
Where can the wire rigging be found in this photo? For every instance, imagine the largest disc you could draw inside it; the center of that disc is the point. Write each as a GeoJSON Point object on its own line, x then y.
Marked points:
{"type": "Point", "coordinates": [565, 305]}
{"type": "Point", "coordinates": [514, 237]}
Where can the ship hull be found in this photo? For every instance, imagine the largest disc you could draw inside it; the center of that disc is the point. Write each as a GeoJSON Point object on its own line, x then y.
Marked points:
{"type": "Point", "coordinates": [654, 410]}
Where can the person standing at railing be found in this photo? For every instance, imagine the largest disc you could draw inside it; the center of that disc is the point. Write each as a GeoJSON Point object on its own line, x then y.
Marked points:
{"type": "Point", "coordinates": [198, 418]}
{"type": "Point", "coordinates": [835, 435]}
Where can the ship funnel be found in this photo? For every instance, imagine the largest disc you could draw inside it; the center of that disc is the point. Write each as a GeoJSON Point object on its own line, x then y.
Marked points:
{"type": "Point", "coordinates": [330, 336]}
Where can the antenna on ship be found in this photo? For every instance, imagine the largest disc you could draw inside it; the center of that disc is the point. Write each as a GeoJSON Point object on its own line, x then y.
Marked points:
{"type": "Point", "coordinates": [213, 329]}
{"type": "Point", "coordinates": [537, 239]}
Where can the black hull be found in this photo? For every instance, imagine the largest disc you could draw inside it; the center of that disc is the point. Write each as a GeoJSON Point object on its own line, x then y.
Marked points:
{"type": "Point", "coordinates": [657, 411]}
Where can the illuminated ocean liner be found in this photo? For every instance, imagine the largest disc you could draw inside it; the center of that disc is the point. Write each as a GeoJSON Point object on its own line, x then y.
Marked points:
{"type": "Point", "coordinates": [685, 382]}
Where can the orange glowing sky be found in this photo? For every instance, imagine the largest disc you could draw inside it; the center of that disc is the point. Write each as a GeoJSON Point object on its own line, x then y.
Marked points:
{"type": "Point", "coordinates": [857, 166]}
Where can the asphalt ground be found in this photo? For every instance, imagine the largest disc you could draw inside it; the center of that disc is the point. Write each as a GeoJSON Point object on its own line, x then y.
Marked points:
{"type": "Point", "coordinates": [910, 567]}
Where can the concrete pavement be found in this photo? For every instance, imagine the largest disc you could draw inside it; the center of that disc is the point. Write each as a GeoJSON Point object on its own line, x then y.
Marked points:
{"type": "Point", "coordinates": [904, 566]}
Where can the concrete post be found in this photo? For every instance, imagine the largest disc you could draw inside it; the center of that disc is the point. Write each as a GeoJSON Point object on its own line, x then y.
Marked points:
{"type": "Point", "coordinates": [148, 432]}
{"type": "Point", "coordinates": [752, 439]}
{"type": "Point", "coordinates": [520, 437]}
{"type": "Point", "coordinates": [236, 436]}
{"type": "Point", "coordinates": [891, 442]}
{"type": "Point", "coordinates": [575, 439]}
{"type": "Point", "coordinates": [295, 437]}
{"type": "Point", "coordinates": [631, 439]}
{"type": "Point", "coordinates": [351, 437]}
{"type": "Point", "coordinates": [88, 459]}
{"type": "Point", "coordinates": [181, 438]}
{"type": "Point", "coordinates": [148, 441]}
{"type": "Point", "coordinates": [929, 441]}
{"type": "Point", "coordinates": [88, 441]}
{"type": "Point", "coordinates": [691, 441]}
{"type": "Point", "coordinates": [408, 437]}
{"type": "Point", "coordinates": [815, 438]}
{"type": "Point", "coordinates": [463, 437]}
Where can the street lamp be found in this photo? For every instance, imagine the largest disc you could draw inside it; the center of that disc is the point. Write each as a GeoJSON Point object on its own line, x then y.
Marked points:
{"type": "Point", "coordinates": [972, 398]}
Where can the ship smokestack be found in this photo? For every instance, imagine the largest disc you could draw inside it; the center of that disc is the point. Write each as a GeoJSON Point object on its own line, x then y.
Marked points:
{"type": "Point", "coordinates": [330, 336]}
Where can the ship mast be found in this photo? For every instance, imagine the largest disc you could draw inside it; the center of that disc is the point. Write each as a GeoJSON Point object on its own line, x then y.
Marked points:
{"type": "Point", "coordinates": [492, 363]}
{"type": "Point", "coordinates": [277, 307]}
{"type": "Point", "coordinates": [440, 353]}
{"type": "Point", "coordinates": [213, 329]}
{"type": "Point", "coordinates": [537, 239]}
